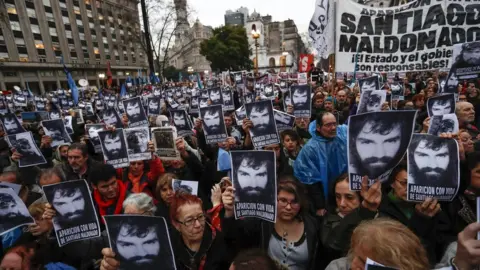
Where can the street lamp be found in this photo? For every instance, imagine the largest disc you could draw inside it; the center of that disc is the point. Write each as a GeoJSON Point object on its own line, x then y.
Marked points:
{"type": "Point", "coordinates": [256, 36]}
{"type": "Point", "coordinates": [102, 76]}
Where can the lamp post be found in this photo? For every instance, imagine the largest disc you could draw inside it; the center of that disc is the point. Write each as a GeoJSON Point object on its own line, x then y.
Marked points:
{"type": "Point", "coordinates": [102, 76]}
{"type": "Point", "coordinates": [256, 36]}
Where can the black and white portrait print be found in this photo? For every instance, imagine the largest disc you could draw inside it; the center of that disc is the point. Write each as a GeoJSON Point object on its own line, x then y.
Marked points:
{"type": "Point", "coordinates": [301, 100]}
{"type": "Point", "coordinates": [254, 179]}
{"type": "Point", "coordinates": [466, 60]}
{"type": "Point", "coordinates": [76, 218]}
{"type": "Point", "coordinates": [110, 102]}
{"type": "Point", "coordinates": [269, 91]}
{"type": "Point", "coordinates": [19, 101]}
{"type": "Point", "coordinates": [215, 95]}
{"type": "Point", "coordinates": [135, 112]}
{"type": "Point", "coordinates": [371, 101]}
{"type": "Point", "coordinates": [92, 131]}
{"type": "Point", "coordinates": [397, 91]}
{"type": "Point", "coordinates": [13, 212]}
{"type": "Point", "coordinates": [203, 102]}
{"type": "Point", "coordinates": [154, 106]}
{"type": "Point", "coordinates": [11, 124]}
{"type": "Point", "coordinates": [264, 130]}
{"type": "Point", "coordinates": [67, 120]}
{"type": "Point", "coordinates": [140, 242]}
{"type": "Point", "coordinates": [3, 106]}
{"type": "Point", "coordinates": [283, 120]}
{"type": "Point", "coordinates": [25, 145]}
{"type": "Point", "coordinates": [377, 142]}
{"type": "Point", "coordinates": [213, 124]}
{"type": "Point", "coordinates": [249, 98]}
{"type": "Point", "coordinates": [40, 105]}
{"type": "Point", "coordinates": [441, 104]}
{"type": "Point", "coordinates": [447, 123]}
{"type": "Point", "coordinates": [181, 122]}
{"type": "Point", "coordinates": [287, 100]}
{"type": "Point", "coordinates": [164, 140]}
{"type": "Point", "coordinates": [194, 106]}
{"type": "Point", "coordinates": [433, 168]}
{"type": "Point", "coordinates": [89, 109]}
{"type": "Point", "coordinates": [369, 84]}
{"type": "Point", "coordinates": [227, 96]}
{"type": "Point", "coordinates": [15, 187]}
{"type": "Point", "coordinates": [114, 148]}
{"type": "Point", "coordinates": [57, 131]}
{"type": "Point", "coordinates": [189, 187]}
{"type": "Point", "coordinates": [112, 118]}
{"type": "Point", "coordinates": [137, 143]}
{"type": "Point", "coordinates": [55, 114]}
{"type": "Point", "coordinates": [240, 114]}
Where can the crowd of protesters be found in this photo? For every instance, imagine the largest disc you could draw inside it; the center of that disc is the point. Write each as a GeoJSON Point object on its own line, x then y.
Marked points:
{"type": "Point", "coordinates": [320, 224]}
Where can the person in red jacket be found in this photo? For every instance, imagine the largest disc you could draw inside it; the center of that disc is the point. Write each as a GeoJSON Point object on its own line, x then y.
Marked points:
{"type": "Point", "coordinates": [141, 176]}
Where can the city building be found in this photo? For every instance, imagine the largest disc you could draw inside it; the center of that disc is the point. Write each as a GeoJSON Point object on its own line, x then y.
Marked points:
{"type": "Point", "coordinates": [185, 54]}
{"type": "Point", "coordinates": [237, 17]}
{"type": "Point", "coordinates": [279, 44]}
{"type": "Point", "coordinates": [36, 34]}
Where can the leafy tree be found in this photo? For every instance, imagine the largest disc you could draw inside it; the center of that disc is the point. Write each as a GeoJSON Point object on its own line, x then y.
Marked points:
{"type": "Point", "coordinates": [171, 73]}
{"type": "Point", "coordinates": [227, 48]}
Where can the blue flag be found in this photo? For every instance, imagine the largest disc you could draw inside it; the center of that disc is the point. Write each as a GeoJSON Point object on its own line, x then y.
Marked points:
{"type": "Point", "coordinates": [123, 90]}
{"type": "Point", "coordinates": [71, 83]}
{"type": "Point", "coordinates": [30, 94]}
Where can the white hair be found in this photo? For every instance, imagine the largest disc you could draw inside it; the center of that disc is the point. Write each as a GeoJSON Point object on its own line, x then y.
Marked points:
{"type": "Point", "coordinates": [141, 201]}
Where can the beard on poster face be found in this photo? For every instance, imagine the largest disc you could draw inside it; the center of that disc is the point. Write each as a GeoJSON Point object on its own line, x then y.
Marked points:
{"type": "Point", "coordinates": [138, 246]}
{"type": "Point", "coordinates": [226, 98]}
{"type": "Point", "coordinates": [369, 85]}
{"type": "Point", "coordinates": [57, 135]}
{"type": "Point", "coordinates": [215, 96]}
{"type": "Point", "coordinates": [431, 162]}
{"type": "Point", "coordinates": [70, 205]}
{"type": "Point", "coordinates": [113, 146]}
{"type": "Point", "coordinates": [24, 147]}
{"type": "Point", "coordinates": [261, 119]}
{"type": "Point", "coordinates": [10, 214]}
{"type": "Point", "coordinates": [252, 178]}
{"type": "Point", "coordinates": [377, 144]}
{"type": "Point", "coordinates": [11, 126]}
{"type": "Point", "coordinates": [300, 98]}
{"type": "Point", "coordinates": [133, 111]}
{"type": "Point", "coordinates": [211, 118]}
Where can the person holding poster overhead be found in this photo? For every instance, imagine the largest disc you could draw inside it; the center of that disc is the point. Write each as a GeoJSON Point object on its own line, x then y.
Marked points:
{"type": "Point", "coordinates": [292, 240]}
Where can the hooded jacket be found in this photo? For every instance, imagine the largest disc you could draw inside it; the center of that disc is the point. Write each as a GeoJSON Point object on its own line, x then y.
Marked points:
{"type": "Point", "coordinates": [322, 160]}
{"type": "Point", "coordinates": [57, 157]}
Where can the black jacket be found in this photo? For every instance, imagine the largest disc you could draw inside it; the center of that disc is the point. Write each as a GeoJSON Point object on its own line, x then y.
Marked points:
{"type": "Point", "coordinates": [252, 233]}
{"type": "Point", "coordinates": [214, 251]}
{"type": "Point", "coordinates": [71, 175]}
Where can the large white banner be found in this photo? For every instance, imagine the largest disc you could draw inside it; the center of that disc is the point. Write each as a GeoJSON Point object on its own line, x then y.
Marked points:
{"type": "Point", "coordinates": [413, 37]}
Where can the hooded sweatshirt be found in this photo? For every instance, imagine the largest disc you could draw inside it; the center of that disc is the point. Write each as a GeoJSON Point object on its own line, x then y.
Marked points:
{"type": "Point", "coordinates": [57, 158]}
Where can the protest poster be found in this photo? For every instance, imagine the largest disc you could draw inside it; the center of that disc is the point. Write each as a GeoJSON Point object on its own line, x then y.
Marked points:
{"type": "Point", "coordinates": [264, 131]}
{"type": "Point", "coordinates": [240, 114]}
{"type": "Point", "coordinates": [466, 60]}
{"type": "Point", "coordinates": [76, 218]}
{"type": "Point", "coordinates": [447, 123]}
{"type": "Point", "coordinates": [128, 234]}
{"type": "Point", "coordinates": [112, 118]}
{"type": "Point", "coordinates": [371, 101]}
{"type": "Point", "coordinates": [213, 124]}
{"type": "Point", "coordinates": [11, 124]}
{"type": "Point", "coordinates": [215, 96]}
{"type": "Point", "coordinates": [301, 100]}
{"type": "Point", "coordinates": [433, 168]}
{"type": "Point", "coordinates": [413, 37]}
{"type": "Point", "coordinates": [57, 131]}
{"type": "Point", "coordinates": [13, 212]}
{"type": "Point", "coordinates": [283, 120]}
{"type": "Point", "coordinates": [194, 106]}
{"type": "Point", "coordinates": [24, 144]}
{"type": "Point", "coordinates": [377, 142]}
{"type": "Point", "coordinates": [302, 78]}
{"type": "Point", "coordinates": [135, 112]}
{"type": "Point", "coordinates": [92, 131]}
{"type": "Point", "coordinates": [154, 106]}
{"type": "Point", "coordinates": [68, 122]}
{"type": "Point", "coordinates": [189, 187]}
{"type": "Point", "coordinates": [254, 179]}
{"type": "Point", "coordinates": [181, 122]}
{"type": "Point", "coordinates": [114, 147]}
{"type": "Point", "coordinates": [441, 104]}
{"type": "Point", "coordinates": [369, 83]}
{"type": "Point", "coordinates": [15, 187]}
{"type": "Point", "coordinates": [228, 104]}
{"type": "Point", "coordinates": [137, 143]}
{"type": "Point", "coordinates": [164, 141]}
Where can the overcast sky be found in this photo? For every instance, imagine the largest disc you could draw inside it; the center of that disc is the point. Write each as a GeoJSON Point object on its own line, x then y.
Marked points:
{"type": "Point", "coordinates": [211, 12]}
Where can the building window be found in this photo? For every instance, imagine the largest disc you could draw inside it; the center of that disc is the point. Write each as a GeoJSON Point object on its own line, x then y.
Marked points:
{"type": "Point", "coordinates": [283, 63]}
{"type": "Point", "coordinates": [39, 44]}
{"type": "Point", "coordinates": [50, 17]}
{"type": "Point", "coordinates": [46, 3]}
{"type": "Point", "coordinates": [53, 31]}
{"type": "Point", "coordinates": [66, 20]}
{"type": "Point", "coordinates": [68, 34]}
{"type": "Point", "coordinates": [23, 57]}
{"type": "Point", "coordinates": [31, 13]}
{"type": "Point", "coordinates": [35, 29]}
{"type": "Point", "coordinates": [76, 10]}
{"type": "Point", "coordinates": [62, 5]}
{"type": "Point", "coordinates": [15, 26]}
{"type": "Point", "coordinates": [11, 9]}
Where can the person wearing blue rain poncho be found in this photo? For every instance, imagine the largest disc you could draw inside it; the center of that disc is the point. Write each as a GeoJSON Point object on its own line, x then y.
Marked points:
{"type": "Point", "coordinates": [322, 159]}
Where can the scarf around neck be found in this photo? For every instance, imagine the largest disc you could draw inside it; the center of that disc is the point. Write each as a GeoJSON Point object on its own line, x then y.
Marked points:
{"type": "Point", "coordinates": [104, 205]}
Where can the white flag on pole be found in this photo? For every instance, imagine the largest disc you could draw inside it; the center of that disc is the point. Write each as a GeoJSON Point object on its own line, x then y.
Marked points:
{"type": "Point", "coordinates": [322, 27]}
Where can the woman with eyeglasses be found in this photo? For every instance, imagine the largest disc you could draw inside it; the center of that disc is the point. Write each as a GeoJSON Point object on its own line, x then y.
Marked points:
{"type": "Point", "coordinates": [196, 244]}
{"type": "Point", "coordinates": [292, 241]}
